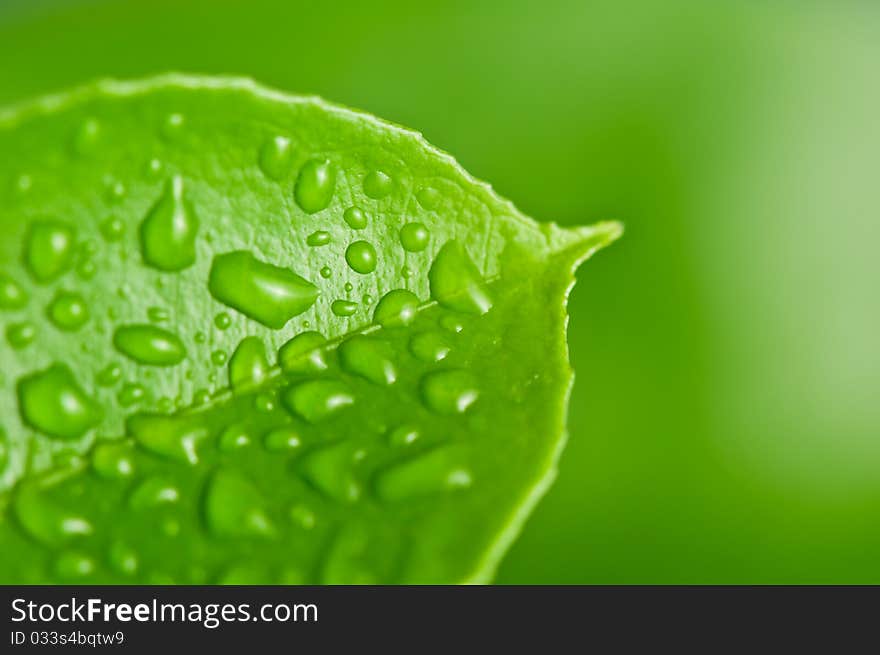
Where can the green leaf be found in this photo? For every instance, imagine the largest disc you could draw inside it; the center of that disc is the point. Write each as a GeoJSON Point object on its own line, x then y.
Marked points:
{"type": "Point", "coordinates": [257, 337]}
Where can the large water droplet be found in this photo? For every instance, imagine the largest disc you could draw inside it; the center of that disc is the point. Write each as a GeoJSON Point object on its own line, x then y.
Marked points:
{"type": "Point", "coordinates": [317, 400]}
{"type": "Point", "coordinates": [169, 436]}
{"type": "Point", "coordinates": [275, 157]}
{"type": "Point", "coordinates": [234, 507]}
{"type": "Point", "coordinates": [53, 402]}
{"type": "Point", "coordinates": [398, 307]}
{"type": "Point", "coordinates": [248, 365]}
{"type": "Point", "coordinates": [378, 184]}
{"type": "Point", "coordinates": [149, 345]}
{"type": "Point", "coordinates": [343, 307]}
{"type": "Point", "coordinates": [436, 471]}
{"type": "Point", "coordinates": [45, 521]}
{"type": "Point", "coordinates": [168, 233]}
{"type": "Point", "coordinates": [356, 218]}
{"type": "Point", "coordinates": [361, 257]}
{"type": "Point", "coordinates": [68, 311]}
{"type": "Point", "coordinates": [49, 249]}
{"type": "Point", "coordinates": [303, 353]}
{"type": "Point", "coordinates": [12, 295]}
{"type": "Point", "coordinates": [330, 471]}
{"type": "Point", "coordinates": [414, 237]}
{"type": "Point", "coordinates": [456, 283]}
{"type": "Point", "coordinates": [449, 392]}
{"type": "Point", "coordinates": [319, 238]}
{"type": "Point", "coordinates": [20, 335]}
{"type": "Point", "coordinates": [369, 358]}
{"type": "Point", "coordinates": [265, 293]}
{"type": "Point", "coordinates": [429, 347]}
{"type": "Point", "coordinates": [315, 185]}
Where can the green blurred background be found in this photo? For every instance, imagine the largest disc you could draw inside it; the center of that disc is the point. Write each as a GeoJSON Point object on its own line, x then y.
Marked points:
{"type": "Point", "coordinates": [725, 422]}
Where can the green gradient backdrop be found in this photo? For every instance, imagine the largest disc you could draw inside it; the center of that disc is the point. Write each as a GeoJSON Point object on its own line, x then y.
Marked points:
{"type": "Point", "coordinates": [725, 423]}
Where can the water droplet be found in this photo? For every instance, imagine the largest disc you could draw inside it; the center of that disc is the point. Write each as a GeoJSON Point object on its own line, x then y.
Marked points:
{"type": "Point", "coordinates": [218, 357]}
{"type": "Point", "coordinates": [149, 345]}
{"type": "Point", "coordinates": [168, 233]}
{"type": "Point", "coordinates": [45, 521]}
{"type": "Point", "coordinates": [112, 229]}
{"type": "Point", "coordinates": [222, 321]}
{"type": "Point", "coordinates": [122, 559]}
{"type": "Point", "coordinates": [361, 257]}
{"type": "Point", "coordinates": [234, 507]}
{"type": "Point", "coordinates": [233, 438]}
{"type": "Point", "coordinates": [303, 517]}
{"type": "Point", "coordinates": [456, 283]}
{"type": "Point", "coordinates": [428, 198]}
{"type": "Point", "coordinates": [12, 295]}
{"type": "Point", "coordinates": [330, 471]}
{"type": "Point", "coordinates": [345, 559]}
{"type": "Point", "coordinates": [414, 237]}
{"type": "Point", "coordinates": [172, 126]}
{"type": "Point", "coordinates": [326, 272]}
{"type": "Point", "coordinates": [264, 402]}
{"type": "Point", "coordinates": [49, 249]}
{"type": "Point", "coordinates": [403, 435]}
{"type": "Point", "coordinates": [68, 311]}
{"type": "Point", "coordinates": [169, 436]}
{"type": "Point", "coordinates": [109, 375]}
{"type": "Point", "coordinates": [449, 392]}
{"type": "Point", "coordinates": [158, 314]}
{"type": "Point", "coordinates": [315, 185]}
{"type": "Point", "coordinates": [275, 157]}
{"type": "Point", "coordinates": [369, 358]}
{"type": "Point", "coordinates": [343, 307]}
{"type": "Point", "coordinates": [130, 394]}
{"type": "Point", "coordinates": [317, 400]}
{"type": "Point", "coordinates": [451, 324]}
{"type": "Point", "coordinates": [71, 565]}
{"type": "Point", "coordinates": [356, 218]}
{"type": "Point", "coordinates": [86, 137]}
{"type": "Point", "coordinates": [113, 460]}
{"type": "Point", "coordinates": [153, 492]}
{"type": "Point", "coordinates": [436, 471]}
{"type": "Point", "coordinates": [367, 299]}
{"type": "Point", "coordinates": [115, 191]}
{"type": "Point", "coordinates": [397, 307]}
{"type": "Point", "coordinates": [201, 397]}
{"type": "Point", "coordinates": [248, 365]}
{"type": "Point", "coordinates": [348, 287]}
{"type": "Point", "coordinates": [154, 168]}
{"type": "Point", "coordinates": [20, 335]}
{"type": "Point", "coordinates": [282, 439]}
{"type": "Point", "coordinates": [199, 337]}
{"type": "Point", "coordinates": [303, 353]}
{"type": "Point", "coordinates": [265, 293]}
{"type": "Point", "coordinates": [86, 269]}
{"type": "Point", "coordinates": [429, 347]}
{"type": "Point", "coordinates": [53, 402]}
{"type": "Point", "coordinates": [319, 238]}
{"type": "Point", "coordinates": [23, 184]}
{"type": "Point", "coordinates": [378, 184]}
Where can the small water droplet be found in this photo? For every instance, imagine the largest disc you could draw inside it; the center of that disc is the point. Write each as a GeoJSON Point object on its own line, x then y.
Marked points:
{"type": "Point", "coordinates": [403, 435]}
{"type": "Point", "coordinates": [343, 307]}
{"type": "Point", "coordinates": [317, 400]}
{"type": "Point", "coordinates": [264, 402]}
{"type": "Point", "coordinates": [49, 249]}
{"type": "Point", "coordinates": [201, 397]}
{"type": "Point", "coordinates": [248, 365]}
{"type": "Point", "coordinates": [20, 335]}
{"type": "Point", "coordinates": [86, 138]}
{"type": "Point", "coordinates": [451, 324]}
{"type": "Point", "coordinates": [153, 492]}
{"type": "Point", "coordinates": [149, 345]}
{"type": "Point", "coordinates": [456, 283]}
{"type": "Point", "coordinates": [319, 238]}
{"type": "Point", "coordinates": [302, 516]}
{"type": "Point", "coordinates": [200, 337]}
{"type": "Point", "coordinates": [172, 126]}
{"type": "Point", "coordinates": [367, 299]}
{"type": "Point", "coordinates": [113, 460]}
{"type": "Point", "coordinates": [109, 375]}
{"type": "Point", "coordinates": [436, 471]}
{"type": "Point", "coordinates": [397, 307]}
{"type": "Point", "coordinates": [361, 257]}
{"type": "Point", "coordinates": [218, 357]}
{"type": "Point", "coordinates": [154, 168]}
{"type": "Point", "coordinates": [429, 347]}
{"type": "Point", "coordinates": [449, 392]}
{"type": "Point", "coordinates": [168, 233]}
{"type": "Point", "coordinates": [428, 198]}
{"type": "Point", "coordinates": [407, 272]}
{"type": "Point", "coordinates": [368, 358]}
{"type": "Point", "coordinates": [158, 314]}
{"type": "Point", "coordinates": [414, 237]}
{"type": "Point", "coordinates": [326, 272]}
{"type": "Point", "coordinates": [122, 559]}
{"type": "Point", "coordinates": [275, 157]}
{"type": "Point", "coordinates": [112, 229]}
{"type": "Point", "coordinates": [233, 438]}
{"type": "Point", "coordinates": [315, 185]}
{"type": "Point", "coordinates": [356, 218]}
{"type": "Point", "coordinates": [86, 269]}
{"type": "Point", "coordinates": [68, 311]}
{"type": "Point", "coordinates": [281, 440]}
{"type": "Point", "coordinates": [130, 394]}
{"type": "Point", "coordinates": [23, 184]}
{"type": "Point", "coordinates": [378, 184]}
{"type": "Point", "coordinates": [234, 507]}
{"type": "Point", "coordinates": [165, 405]}
{"type": "Point", "coordinates": [330, 471]}
{"type": "Point", "coordinates": [348, 287]}
{"type": "Point", "coordinates": [169, 436]}
{"type": "Point", "coordinates": [72, 565]}
{"type": "Point", "coordinates": [53, 402]}
{"type": "Point", "coordinates": [12, 295]}
{"type": "Point", "coordinates": [222, 321]}
{"type": "Point", "coordinates": [303, 353]}
{"type": "Point", "coordinates": [268, 294]}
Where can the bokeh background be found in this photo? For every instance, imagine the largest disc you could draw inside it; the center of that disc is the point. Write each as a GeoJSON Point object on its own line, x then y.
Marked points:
{"type": "Point", "coordinates": [725, 423]}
